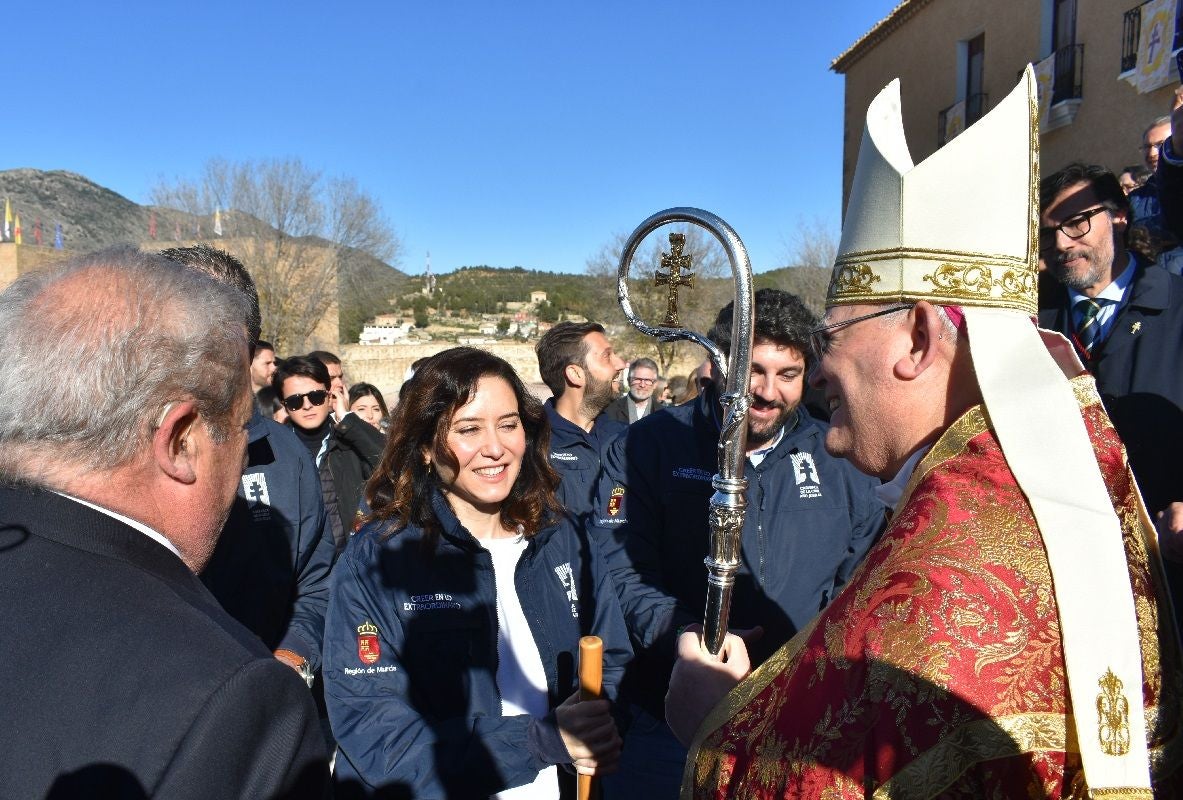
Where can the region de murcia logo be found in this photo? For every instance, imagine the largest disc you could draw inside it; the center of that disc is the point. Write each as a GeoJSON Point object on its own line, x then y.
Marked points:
{"type": "Point", "coordinates": [615, 501]}
{"type": "Point", "coordinates": [369, 650]}
{"type": "Point", "coordinates": [805, 474]}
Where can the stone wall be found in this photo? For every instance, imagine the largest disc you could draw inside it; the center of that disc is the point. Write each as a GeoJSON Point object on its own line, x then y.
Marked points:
{"type": "Point", "coordinates": [17, 259]}
{"type": "Point", "coordinates": [384, 366]}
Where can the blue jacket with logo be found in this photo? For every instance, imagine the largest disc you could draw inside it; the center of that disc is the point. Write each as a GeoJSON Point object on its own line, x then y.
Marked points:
{"type": "Point", "coordinates": [270, 569]}
{"type": "Point", "coordinates": [810, 520]}
{"type": "Point", "coordinates": [576, 455]}
{"type": "Point", "coordinates": [411, 656]}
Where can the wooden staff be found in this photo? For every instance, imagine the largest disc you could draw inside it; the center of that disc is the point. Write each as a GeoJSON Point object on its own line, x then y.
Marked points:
{"type": "Point", "coordinates": [591, 687]}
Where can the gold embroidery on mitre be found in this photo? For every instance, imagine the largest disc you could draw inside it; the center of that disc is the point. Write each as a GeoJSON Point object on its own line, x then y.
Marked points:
{"type": "Point", "coordinates": [852, 278]}
{"type": "Point", "coordinates": [977, 281]}
{"type": "Point", "coordinates": [1113, 711]}
{"type": "Point", "coordinates": [964, 278]}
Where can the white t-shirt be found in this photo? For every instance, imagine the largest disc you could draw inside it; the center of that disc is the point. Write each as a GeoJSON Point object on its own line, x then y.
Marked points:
{"type": "Point", "coordinates": [521, 678]}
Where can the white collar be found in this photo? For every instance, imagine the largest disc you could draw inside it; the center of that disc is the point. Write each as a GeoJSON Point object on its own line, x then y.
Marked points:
{"type": "Point", "coordinates": [890, 493]}
{"type": "Point", "coordinates": [128, 521]}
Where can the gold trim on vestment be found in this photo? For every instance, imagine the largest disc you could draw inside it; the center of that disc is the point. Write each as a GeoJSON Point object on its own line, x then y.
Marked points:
{"type": "Point", "coordinates": [934, 770]}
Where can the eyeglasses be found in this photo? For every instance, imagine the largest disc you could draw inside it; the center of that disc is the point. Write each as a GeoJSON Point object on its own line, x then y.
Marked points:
{"type": "Point", "coordinates": [822, 337]}
{"type": "Point", "coordinates": [643, 381]}
{"type": "Point", "coordinates": [294, 402]}
{"type": "Point", "coordinates": [1146, 148]}
{"type": "Point", "coordinates": [1074, 227]}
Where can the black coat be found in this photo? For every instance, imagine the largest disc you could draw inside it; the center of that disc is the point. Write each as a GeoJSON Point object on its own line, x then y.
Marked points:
{"type": "Point", "coordinates": [1139, 375]}
{"type": "Point", "coordinates": [618, 408]}
{"type": "Point", "coordinates": [122, 677]}
{"type": "Point", "coordinates": [354, 452]}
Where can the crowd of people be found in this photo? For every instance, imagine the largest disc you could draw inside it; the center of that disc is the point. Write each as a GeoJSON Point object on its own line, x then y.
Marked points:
{"type": "Point", "coordinates": [229, 574]}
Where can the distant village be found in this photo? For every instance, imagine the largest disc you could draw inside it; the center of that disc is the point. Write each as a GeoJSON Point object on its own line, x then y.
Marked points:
{"type": "Point", "coordinates": [517, 320]}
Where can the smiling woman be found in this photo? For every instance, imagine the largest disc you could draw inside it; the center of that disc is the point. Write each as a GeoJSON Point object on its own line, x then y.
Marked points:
{"type": "Point", "coordinates": [457, 609]}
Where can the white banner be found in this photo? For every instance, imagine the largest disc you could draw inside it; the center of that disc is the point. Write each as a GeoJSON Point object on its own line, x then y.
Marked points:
{"type": "Point", "coordinates": [1155, 65]}
{"type": "Point", "coordinates": [954, 120]}
{"type": "Point", "coordinates": [1045, 83]}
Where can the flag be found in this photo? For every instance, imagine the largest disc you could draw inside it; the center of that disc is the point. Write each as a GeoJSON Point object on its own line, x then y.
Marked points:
{"type": "Point", "coordinates": [152, 226]}
{"type": "Point", "coordinates": [1155, 64]}
{"type": "Point", "coordinates": [217, 222]}
{"type": "Point", "coordinates": [16, 231]}
{"type": "Point", "coordinates": [7, 219]}
{"type": "Point", "coordinates": [37, 230]}
{"type": "Point", "coordinates": [1045, 84]}
{"type": "Point", "coordinates": [954, 120]}
{"type": "Point", "coordinates": [57, 236]}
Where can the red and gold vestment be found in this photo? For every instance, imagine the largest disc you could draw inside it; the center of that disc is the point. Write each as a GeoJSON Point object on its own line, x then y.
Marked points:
{"type": "Point", "coordinates": [939, 670]}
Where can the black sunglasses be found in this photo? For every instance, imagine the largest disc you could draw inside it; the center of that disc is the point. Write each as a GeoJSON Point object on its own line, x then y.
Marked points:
{"type": "Point", "coordinates": [294, 402]}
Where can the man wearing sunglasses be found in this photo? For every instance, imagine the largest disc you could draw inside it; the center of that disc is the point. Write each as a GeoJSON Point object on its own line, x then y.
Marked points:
{"type": "Point", "coordinates": [1125, 318]}
{"type": "Point", "coordinates": [345, 452]}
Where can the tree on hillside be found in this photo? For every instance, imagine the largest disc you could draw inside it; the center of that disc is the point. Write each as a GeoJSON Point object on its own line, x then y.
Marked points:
{"type": "Point", "coordinates": [698, 304]}
{"type": "Point", "coordinates": [810, 256]}
{"type": "Point", "coordinates": [814, 244]}
{"type": "Point", "coordinates": [419, 309]}
{"type": "Point", "coordinates": [309, 241]}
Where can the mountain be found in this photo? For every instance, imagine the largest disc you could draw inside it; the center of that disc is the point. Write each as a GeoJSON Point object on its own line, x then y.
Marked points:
{"type": "Point", "coordinates": [92, 216]}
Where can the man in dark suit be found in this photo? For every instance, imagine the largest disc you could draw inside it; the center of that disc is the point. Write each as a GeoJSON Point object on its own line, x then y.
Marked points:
{"type": "Point", "coordinates": [122, 676]}
{"type": "Point", "coordinates": [640, 400]}
{"type": "Point", "coordinates": [1125, 318]}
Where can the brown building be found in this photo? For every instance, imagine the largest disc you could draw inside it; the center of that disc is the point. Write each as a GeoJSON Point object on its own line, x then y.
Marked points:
{"type": "Point", "coordinates": [956, 58]}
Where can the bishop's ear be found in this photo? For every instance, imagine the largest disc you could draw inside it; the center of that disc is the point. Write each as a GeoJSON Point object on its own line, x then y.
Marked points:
{"type": "Point", "coordinates": [926, 334]}
{"type": "Point", "coordinates": [174, 444]}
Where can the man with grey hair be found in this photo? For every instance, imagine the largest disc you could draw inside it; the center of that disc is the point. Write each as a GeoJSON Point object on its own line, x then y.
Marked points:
{"type": "Point", "coordinates": [122, 675]}
{"type": "Point", "coordinates": [640, 400]}
{"type": "Point", "coordinates": [271, 567]}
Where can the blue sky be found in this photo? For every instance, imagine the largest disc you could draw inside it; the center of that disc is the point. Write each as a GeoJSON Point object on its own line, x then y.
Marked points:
{"type": "Point", "coordinates": [502, 133]}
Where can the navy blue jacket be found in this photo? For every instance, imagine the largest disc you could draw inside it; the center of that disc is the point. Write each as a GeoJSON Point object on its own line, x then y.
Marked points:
{"type": "Point", "coordinates": [271, 567]}
{"type": "Point", "coordinates": [810, 520]}
{"type": "Point", "coordinates": [576, 455]}
{"type": "Point", "coordinates": [1140, 379]}
{"type": "Point", "coordinates": [411, 656]}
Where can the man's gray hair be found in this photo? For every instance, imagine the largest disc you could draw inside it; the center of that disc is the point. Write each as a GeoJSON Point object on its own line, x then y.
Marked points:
{"type": "Point", "coordinates": [1158, 121]}
{"type": "Point", "coordinates": [95, 349]}
{"type": "Point", "coordinates": [644, 362]}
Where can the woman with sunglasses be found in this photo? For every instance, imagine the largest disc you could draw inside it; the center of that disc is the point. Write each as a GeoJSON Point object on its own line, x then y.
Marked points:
{"type": "Point", "coordinates": [454, 620]}
{"type": "Point", "coordinates": [345, 453]}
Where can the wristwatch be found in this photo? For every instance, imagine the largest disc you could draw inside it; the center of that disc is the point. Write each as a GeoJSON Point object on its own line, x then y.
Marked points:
{"type": "Point", "coordinates": [298, 663]}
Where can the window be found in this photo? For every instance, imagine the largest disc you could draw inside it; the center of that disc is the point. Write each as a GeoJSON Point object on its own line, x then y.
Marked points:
{"type": "Point", "coordinates": [974, 97]}
{"type": "Point", "coordinates": [1069, 55]}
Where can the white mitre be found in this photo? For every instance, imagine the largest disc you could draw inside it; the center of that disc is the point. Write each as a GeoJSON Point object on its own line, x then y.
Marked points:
{"type": "Point", "coordinates": [961, 229]}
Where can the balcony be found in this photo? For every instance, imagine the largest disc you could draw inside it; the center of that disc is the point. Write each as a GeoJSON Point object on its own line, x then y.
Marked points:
{"type": "Point", "coordinates": [1131, 32]}
{"type": "Point", "coordinates": [975, 107]}
{"type": "Point", "coordinates": [1067, 84]}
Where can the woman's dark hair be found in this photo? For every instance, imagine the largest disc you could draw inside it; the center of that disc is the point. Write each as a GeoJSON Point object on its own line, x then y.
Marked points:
{"type": "Point", "coordinates": [401, 488]}
{"type": "Point", "coordinates": [359, 390]}
{"type": "Point", "coordinates": [268, 400]}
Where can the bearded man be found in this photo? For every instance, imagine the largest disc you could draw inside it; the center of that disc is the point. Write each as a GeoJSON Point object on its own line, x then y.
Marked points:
{"type": "Point", "coordinates": [1007, 636]}
{"type": "Point", "coordinates": [810, 520]}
